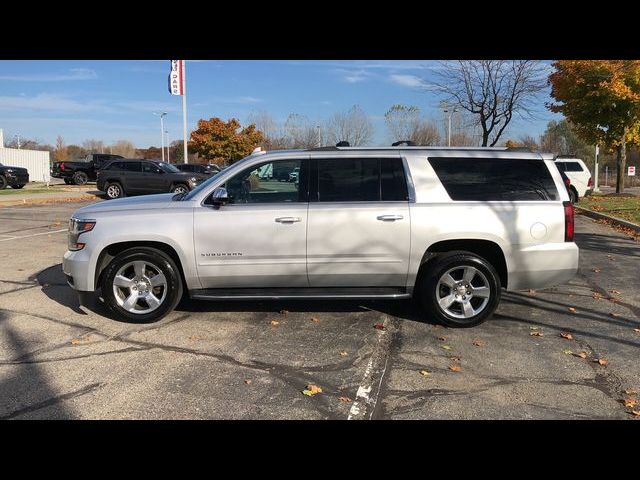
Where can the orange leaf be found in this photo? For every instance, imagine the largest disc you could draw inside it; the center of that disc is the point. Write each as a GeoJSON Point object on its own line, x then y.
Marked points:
{"type": "Point", "coordinates": [343, 354]}
{"type": "Point", "coordinates": [635, 413]}
{"type": "Point", "coordinates": [315, 320]}
{"type": "Point", "coordinates": [601, 361]}
{"type": "Point", "coordinates": [572, 309]}
{"type": "Point", "coordinates": [455, 368]}
{"type": "Point", "coordinates": [566, 335]}
{"type": "Point", "coordinates": [247, 381]}
{"type": "Point", "coordinates": [581, 354]}
{"type": "Point", "coordinates": [536, 333]}
{"type": "Point", "coordinates": [275, 322]}
{"type": "Point", "coordinates": [629, 402]}
{"type": "Point", "coordinates": [478, 343]}
{"type": "Point", "coordinates": [344, 399]}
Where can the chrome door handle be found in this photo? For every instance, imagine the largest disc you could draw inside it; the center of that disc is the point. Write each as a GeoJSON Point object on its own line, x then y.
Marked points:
{"type": "Point", "coordinates": [390, 218]}
{"type": "Point", "coordinates": [288, 219]}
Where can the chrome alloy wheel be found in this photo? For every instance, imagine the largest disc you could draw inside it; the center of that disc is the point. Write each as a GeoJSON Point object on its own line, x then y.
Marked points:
{"type": "Point", "coordinates": [140, 287]}
{"type": "Point", "coordinates": [463, 292]}
{"type": "Point", "coordinates": [113, 191]}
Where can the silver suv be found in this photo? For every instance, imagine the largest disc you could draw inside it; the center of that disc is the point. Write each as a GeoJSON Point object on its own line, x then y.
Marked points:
{"type": "Point", "coordinates": [451, 227]}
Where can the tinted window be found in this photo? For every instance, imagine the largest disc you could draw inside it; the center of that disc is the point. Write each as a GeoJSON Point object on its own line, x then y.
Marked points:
{"type": "Point", "coordinates": [115, 166]}
{"type": "Point", "coordinates": [570, 166]}
{"type": "Point", "coordinates": [150, 168]}
{"type": "Point", "coordinates": [392, 180]}
{"type": "Point", "coordinates": [361, 180]}
{"type": "Point", "coordinates": [348, 180]}
{"type": "Point", "coordinates": [495, 179]}
{"type": "Point", "coordinates": [269, 183]}
{"type": "Point", "coordinates": [131, 166]}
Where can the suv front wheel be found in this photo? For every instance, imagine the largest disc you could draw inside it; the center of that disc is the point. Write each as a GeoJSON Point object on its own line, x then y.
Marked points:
{"type": "Point", "coordinates": [114, 190]}
{"type": "Point", "coordinates": [460, 289]}
{"type": "Point", "coordinates": [142, 284]}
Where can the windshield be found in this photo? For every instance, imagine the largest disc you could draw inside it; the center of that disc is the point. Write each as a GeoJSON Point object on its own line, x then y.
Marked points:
{"type": "Point", "coordinates": [167, 167]}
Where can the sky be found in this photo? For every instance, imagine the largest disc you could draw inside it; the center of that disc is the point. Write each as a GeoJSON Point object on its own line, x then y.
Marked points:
{"type": "Point", "coordinates": [113, 100]}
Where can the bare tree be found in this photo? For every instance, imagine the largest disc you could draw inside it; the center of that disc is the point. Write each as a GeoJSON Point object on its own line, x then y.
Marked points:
{"type": "Point", "coordinates": [300, 132]}
{"type": "Point", "coordinates": [529, 142]}
{"type": "Point", "coordinates": [93, 146]}
{"type": "Point", "coordinates": [124, 148]}
{"type": "Point", "coordinates": [352, 126]}
{"type": "Point", "coordinates": [491, 90]}
{"type": "Point", "coordinates": [274, 137]}
{"type": "Point", "coordinates": [61, 152]}
{"type": "Point", "coordinates": [405, 123]}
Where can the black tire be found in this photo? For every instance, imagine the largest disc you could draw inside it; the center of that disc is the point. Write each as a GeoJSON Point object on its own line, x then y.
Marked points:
{"type": "Point", "coordinates": [573, 195]}
{"type": "Point", "coordinates": [114, 190]}
{"type": "Point", "coordinates": [68, 181]}
{"type": "Point", "coordinates": [164, 264]}
{"type": "Point", "coordinates": [17, 187]}
{"type": "Point", "coordinates": [430, 291]}
{"type": "Point", "coordinates": [3, 182]}
{"type": "Point", "coordinates": [80, 178]}
{"type": "Point", "coordinates": [177, 188]}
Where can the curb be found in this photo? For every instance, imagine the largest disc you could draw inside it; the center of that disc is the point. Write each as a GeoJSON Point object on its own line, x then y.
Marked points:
{"type": "Point", "coordinates": [602, 216]}
{"type": "Point", "coordinates": [44, 201]}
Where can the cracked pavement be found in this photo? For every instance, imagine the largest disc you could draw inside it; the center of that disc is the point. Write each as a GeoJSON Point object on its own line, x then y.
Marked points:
{"type": "Point", "coordinates": [226, 360]}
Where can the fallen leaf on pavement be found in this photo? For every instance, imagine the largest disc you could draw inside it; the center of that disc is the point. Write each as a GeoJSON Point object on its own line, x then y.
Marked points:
{"type": "Point", "coordinates": [81, 340]}
{"type": "Point", "coordinates": [534, 328]}
{"type": "Point", "coordinates": [312, 390]}
{"type": "Point", "coordinates": [455, 359]}
{"type": "Point", "coordinates": [596, 295]}
{"type": "Point", "coordinates": [344, 399]}
{"type": "Point", "coordinates": [315, 320]}
{"type": "Point", "coordinates": [424, 373]}
{"type": "Point", "coordinates": [631, 391]}
{"type": "Point", "coordinates": [567, 352]}
{"type": "Point", "coordinates": [446, 347]}
{"type": "Point", "coordinates": [572, 309]}
{"type": "Point", "coordinates": [343, 354]}
{"type": "Point", "coordinates": [566, 335]}
{"type": "Point", "coordinates": [637, 330]}
{"type": "Point", "coordinates": [614, 314]}
{"type": "Point", "coordinates": [536, 333]}
{"type": "Point", "coordinates": [247, 381]}
{"type": "Point", "coordinates": [275, 322]}
{"type": "Point", "coordinates": [478, 343]}
{"type": "Point", "coordinates": [596, 270]}
{"type": "Point", "coordinates": [532, 291]}
{"type": "Point", "coordinates": [455, 368]}
{"type": "Point", "coordinates": [379, 326]}
{"type": "Point", "coordinates": [442, 339]}
{"type": "Point", "coordinates": [635, 413]}
{"type": "Point", "coordinates": [601, 361]}
{"type": "Point", "coordinates": [581, 354]}
{"type": "Point", "coordinates": [629, 402]}
{"type": "Point", "coordinates": [614, 292]}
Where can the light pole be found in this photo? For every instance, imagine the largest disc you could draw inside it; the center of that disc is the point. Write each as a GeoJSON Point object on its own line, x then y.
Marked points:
{"type": "Point", "coordinates": [168, 158]}
{"type": "Point", "coordinates": [595, 186]}
{"type": "Point", "coordinates": [161, 115]}
{"type": "Point", "coordinates": [17, 137]}
{"type": "Point", "coordinates": [319, 137]}
{"type": "Point", "coordinates": [450, 112]}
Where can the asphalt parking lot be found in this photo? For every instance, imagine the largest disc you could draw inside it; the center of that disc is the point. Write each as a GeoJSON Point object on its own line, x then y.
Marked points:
{"type": "Point", "coordinates": [254, 360]}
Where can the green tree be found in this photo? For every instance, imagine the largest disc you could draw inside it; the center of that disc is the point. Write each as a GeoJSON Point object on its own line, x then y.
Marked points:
{"type": "Point", "coordinates": [561, 139]}
{"type": "Point", "coordinates": [220, 141]}
{"type": "Point", "coordinates": [601, 99]}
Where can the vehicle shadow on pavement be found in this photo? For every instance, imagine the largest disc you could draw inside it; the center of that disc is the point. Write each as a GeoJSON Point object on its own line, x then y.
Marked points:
{"type": "Point", "coordinates": [53, 283]}
{"type": "Point", "coordinates": [610, 244]}
{"type": "Point", "coordinates": [23, 386]}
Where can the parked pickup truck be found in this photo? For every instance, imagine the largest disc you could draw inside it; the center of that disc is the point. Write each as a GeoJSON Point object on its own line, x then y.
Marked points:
{"type": "Point", "coordinates": [81, 171]}
{"type": "Point", "coordinates": [450, 227]}
{"type": "Point", "coordinates": [15, 177]}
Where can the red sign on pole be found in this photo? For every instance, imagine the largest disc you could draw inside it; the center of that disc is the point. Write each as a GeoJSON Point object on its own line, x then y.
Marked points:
{"type": "Point", "coordinates": [632, 171]}
{"type": "Point", "coordinates": [176, 77]}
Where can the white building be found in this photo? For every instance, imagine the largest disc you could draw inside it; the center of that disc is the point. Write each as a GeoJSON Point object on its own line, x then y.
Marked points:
{"type": "Point", "coordinates": [36, 161]}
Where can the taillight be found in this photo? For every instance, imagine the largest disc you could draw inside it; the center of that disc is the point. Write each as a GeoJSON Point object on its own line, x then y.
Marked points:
{"type": "Point", "coordinates": [567, 182]}
{"type": "Point", "coordinates": [590, 182]}
{"type": "Point", "coordinates": [569, 226]}
{"type": "Point", "coordinates": [61, 166]}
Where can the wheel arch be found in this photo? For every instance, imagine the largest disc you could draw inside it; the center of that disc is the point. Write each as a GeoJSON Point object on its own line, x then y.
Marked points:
{"type": "Point", "coordinates": [487, 249]}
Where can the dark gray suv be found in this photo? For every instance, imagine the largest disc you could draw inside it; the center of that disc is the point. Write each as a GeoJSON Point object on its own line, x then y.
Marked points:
{"type": "Point", "coordinates": [124, 177]}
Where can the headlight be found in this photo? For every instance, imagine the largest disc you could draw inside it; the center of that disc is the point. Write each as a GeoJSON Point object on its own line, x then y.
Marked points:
{"type": "Point", "coordinates": [193, 180]}
{"type": "Point", "coordinates": [76, 228]}
{"type": "Point", "coordinates": [9, 170]}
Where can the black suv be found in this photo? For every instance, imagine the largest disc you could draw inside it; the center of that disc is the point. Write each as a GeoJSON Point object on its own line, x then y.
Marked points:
{"type": "Point", "coordinates": [198, 168]}
{"type": "Point", "coordinates": [129, 177]}
{"type": "Point", "coordinates": [15, 177]}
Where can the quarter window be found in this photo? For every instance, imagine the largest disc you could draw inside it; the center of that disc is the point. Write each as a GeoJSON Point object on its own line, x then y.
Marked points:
{"type": "Point", "coordinates": [486, 179]}
{"type": "Point", "coordinates": [570, 166]}
{"type": "Point", "coordinates": [131, 166]}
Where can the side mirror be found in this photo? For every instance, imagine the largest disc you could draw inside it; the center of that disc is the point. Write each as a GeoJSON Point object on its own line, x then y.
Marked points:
{"type": "Point", "coordinates": [219, 197]}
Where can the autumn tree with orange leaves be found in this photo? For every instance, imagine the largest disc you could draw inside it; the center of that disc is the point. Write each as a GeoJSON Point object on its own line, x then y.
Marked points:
{"type": "Point", "coordinates": [601, 99]}
{"type": "Point", "coordinates": [220, 141]}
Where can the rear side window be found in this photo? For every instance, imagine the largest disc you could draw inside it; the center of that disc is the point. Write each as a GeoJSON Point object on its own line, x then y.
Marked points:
{"type": "Point", "coordinates": [131, 166]}
{"type": "Point", "coordinates": [486, 179]}
{"type": "Point", "coordinates": [361, 180]}
{"type": "Point", "coordinates": [115, 166]}
{"type": "Point", "coordinates": [570, 166]}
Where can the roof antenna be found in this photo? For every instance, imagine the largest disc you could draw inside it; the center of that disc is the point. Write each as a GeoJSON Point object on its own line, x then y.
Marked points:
{"type": "Point", "coordinates": [342, 144]}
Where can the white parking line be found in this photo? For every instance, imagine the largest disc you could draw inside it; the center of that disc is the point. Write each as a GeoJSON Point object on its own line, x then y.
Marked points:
{"type": "Point", "coordinates": [33, 235]}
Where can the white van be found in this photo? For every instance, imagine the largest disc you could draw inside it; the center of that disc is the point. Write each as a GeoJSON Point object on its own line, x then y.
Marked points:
{"type": "Point", "coordinates": [578, 173]}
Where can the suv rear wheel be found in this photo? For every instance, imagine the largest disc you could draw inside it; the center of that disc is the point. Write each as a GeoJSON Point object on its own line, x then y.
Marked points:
{"type": "Point", "coordinates": [179, 188]}
{"type": "Point", "coordinates": [142, 284]}
{"type": "Point", "coordinates": [80, 178]}
{"type": "Point", "coordinates": [114, 190]}
{"type": "Point", "coordinates": [460, 289]}
{"type": "Point", "coordinates": [3, 183]}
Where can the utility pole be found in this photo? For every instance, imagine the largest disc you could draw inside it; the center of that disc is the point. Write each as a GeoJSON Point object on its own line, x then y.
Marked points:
{"type": "Point", "coordinates": [595, 183]}
{"type": "Point", "coordinates": [319, 136]}
{"type": "Point", "coordinates": [161, 115]}
{"type": "Point", "coordinates": [168, 157]}
{"type": "Point", "coordinates": [450, 112]}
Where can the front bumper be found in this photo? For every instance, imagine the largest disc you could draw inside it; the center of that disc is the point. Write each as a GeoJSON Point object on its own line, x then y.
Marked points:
{"type": "Point", "coordinates": [75, 266]}
{"type": "Point", "coordinates": [17, 178]}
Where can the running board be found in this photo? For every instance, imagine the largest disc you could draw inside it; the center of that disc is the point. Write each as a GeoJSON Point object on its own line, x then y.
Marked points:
{"type": "Point", "coordinates": [299, 293]}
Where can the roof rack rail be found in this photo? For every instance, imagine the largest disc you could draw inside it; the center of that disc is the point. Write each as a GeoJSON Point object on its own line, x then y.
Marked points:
{"type": "Point", "coordinates": [343, 144]}
{"type": "Point", "coordinates": [323, 149]}
{"type": "Point", "coordinates": [519, 149]}
{"type": "Point", "coordinates": [403, 143]}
